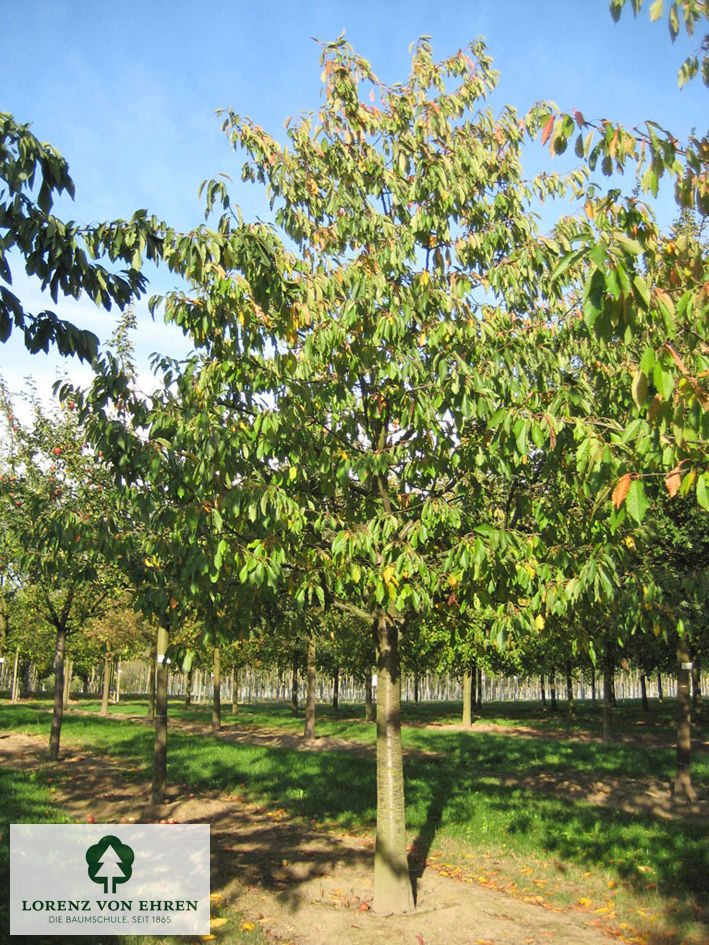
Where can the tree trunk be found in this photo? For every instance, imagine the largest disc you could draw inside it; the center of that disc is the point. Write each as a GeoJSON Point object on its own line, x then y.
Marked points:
{"type": "Point", "coordinates": [117, 688]}
{"type": "Point", "coordinates": [106, 683]}
{"type": "Point", "coordinates": [15, 677]}
{"type": "Point", "coordinates": [607, 704]}
{"type": "Point", "coordinates": [392, 884]}
{"type": "Point", "coordinates": [336, 689]}
{"type": "Point", "coordinates": [26, 680]}
{"type": "Point", "coordinates": [151, 681]}
{"type": "Point", "coordinates": [467, 718]}
{"type": "Point", "coordinates": [660, 695]}
{"type": "Point", "coordinates": [552, 690]}
{"type": "Point", "coordinates": [217, 694]}
{"type": "Point", "coordinates": [67, 682]}
{"type": "Point", "coordinates": [416, 688]}
{"type": "Point", "coordinates": [643, 692]}
{"type": "Point", "coordinates": [294, 687]}
{"type": "Point", "coordinates": [569, 690]}
{"type": "Point", "coordinates": [682, 788]}
{"type": "Point", "coordinates": [188, 686]}
{"type": "Point", "coordinates": [696, 686]}
{"type": "Point", "coordinates": [157, 794]}
{"type": "Point", "coordinates": [234, 694]}
{"type": "Point", "coordinates": [58, 712]}
{"type": "Point", "coordinates": [309, 728]}
{"type": "Point", "coordinates": [368, 698]}
{"type": "Point", "coordinates": [543, 692]}
{"type": "Point", "coordinates": [593, 683]}
{"type": "Point", "coordinates": [479, 690]}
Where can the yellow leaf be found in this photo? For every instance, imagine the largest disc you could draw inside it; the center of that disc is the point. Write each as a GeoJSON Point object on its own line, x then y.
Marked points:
{"type": "Point", "coordinates": [584, 901]}
{"type": "Point", "coordinates": [217, 923]}
{"type": "Point", "coordinates": [539, 622]}
{"type": "Point", "coordinates": [247, 926]}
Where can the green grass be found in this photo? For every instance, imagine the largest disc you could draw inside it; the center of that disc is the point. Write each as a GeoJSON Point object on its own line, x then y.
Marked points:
{"type": "Point", "coordinates": [455, 800]}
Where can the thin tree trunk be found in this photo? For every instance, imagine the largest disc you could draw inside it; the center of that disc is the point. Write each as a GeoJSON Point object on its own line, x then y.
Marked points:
{"type": "Point", "coordinates": [593, 683]}
{"type": "Point", "coordinates": [682, 788]}
{"type": "Point", "coordinates": [117, 688]}
{"type": "Point", "coordinates": [188, 686]}
{"type": "Point", "coordinates": [67, 682]}
{"type": "Point", "coordinates": [157, 794]}
{"type": "Point", "coordinates": [234, 694]}
{"type": "Point", "coordinates": [416, 688]}
{"type": "Point", "coordinates": [392, 884]}
{"type": "Point", "coordinates": [569, 690]}
{"type": "Point", "coordinates": [643, 692]}
{"type": "Point", "coordinates": [151, 681]}
{"type": "Point", "coordinates": [294, 687]}
{"type": "Point", "coordinates": [467, 717]}
{"type": "Point", "coordinates": [696, 686]}
{"type": "Point", "coordinates": [660, 695]}
{"type": "Point", "coordinates": [607, 704]}
{"type": "Point", "coordinates": [336, 689]}
{"type": "Point", "coordinates": [479, 690]}
{"type": "Point", "coordinates": [106, 683]}
{"type": "Point", "coordinates": [15, 678]}
{"type": "Point", "coordinates": [473, 686]}
{"type": "Point", "coordinates": [309, 728]}
{"type": "Point", "coordinates": [368, 699]}
{"type": "Point", "coordinates": [26, 678]}
{"type": "Point", "coordinates": [552, 690]}
{"type": "Point", "coordinates": [543, 692]}
{"type": "Point", "coordinates": [217, 694]}
{"type": "Point", "coordinates": [58, 711]}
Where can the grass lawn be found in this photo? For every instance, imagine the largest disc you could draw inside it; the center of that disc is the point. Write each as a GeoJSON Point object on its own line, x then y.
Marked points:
{"type": "Point", "coordinates": [466, 813]}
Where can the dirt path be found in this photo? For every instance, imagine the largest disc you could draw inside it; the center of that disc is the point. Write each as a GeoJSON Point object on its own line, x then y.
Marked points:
{"type": "Point", "coordinates": [301, 885]}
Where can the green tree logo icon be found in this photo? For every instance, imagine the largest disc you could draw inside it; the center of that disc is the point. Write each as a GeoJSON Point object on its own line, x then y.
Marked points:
{"type": "Point", "coordinates": [110, 862]}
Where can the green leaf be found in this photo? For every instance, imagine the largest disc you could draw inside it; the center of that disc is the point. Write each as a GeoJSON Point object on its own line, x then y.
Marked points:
{"type": "Point", "coordinates": [636, 501]}
{"type": "Point", "coordinates": [703, 491]}
{"type": "Point", "coordinates": [639, 388]}
{"type": "Point", "coordinates": [656, 10]}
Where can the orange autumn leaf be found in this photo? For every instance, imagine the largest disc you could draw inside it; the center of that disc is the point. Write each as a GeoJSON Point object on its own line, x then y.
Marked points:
{"type": "Point", "coordinates": [621, 490]}
{"type": "Point", "coordinates": [673, 481]}
{"type": "Point", "coordinates": [547, 130]}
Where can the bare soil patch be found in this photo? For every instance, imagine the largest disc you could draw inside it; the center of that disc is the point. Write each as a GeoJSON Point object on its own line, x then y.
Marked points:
{"type": "Point", "coordinates": [302, 885]}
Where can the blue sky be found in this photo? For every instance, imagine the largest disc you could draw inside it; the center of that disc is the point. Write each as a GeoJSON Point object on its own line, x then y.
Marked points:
{"type": "Point", "coordinates": [127, 91]}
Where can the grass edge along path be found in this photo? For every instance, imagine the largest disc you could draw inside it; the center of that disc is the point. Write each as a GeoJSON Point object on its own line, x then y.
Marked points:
{"type": "Point", "coordinates": [455, 807]}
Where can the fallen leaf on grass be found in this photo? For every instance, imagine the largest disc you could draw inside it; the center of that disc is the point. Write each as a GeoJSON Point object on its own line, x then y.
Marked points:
{"type": "Point", "coordinates": [247, 926]}
{"type": "Point", "coordinates": [584, 901]}
{"type": "Point", "coordinates": [217, 923]}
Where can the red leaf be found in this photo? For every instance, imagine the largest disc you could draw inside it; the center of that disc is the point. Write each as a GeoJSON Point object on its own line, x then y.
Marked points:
{"type": "Point", "coordinates": [580, 120]}
{"type": "Point", "coordinates": [547, 130]}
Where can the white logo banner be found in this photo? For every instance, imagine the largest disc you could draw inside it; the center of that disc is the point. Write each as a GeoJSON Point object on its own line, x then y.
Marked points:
{"type": "Point", "coordinates": [109, 879]}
